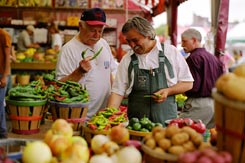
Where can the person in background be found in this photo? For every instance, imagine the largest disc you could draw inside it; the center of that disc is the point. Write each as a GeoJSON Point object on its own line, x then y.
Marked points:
{"type": "Point", "coordinates": [5, 50]}
{"type": "Point", "coordinates": [227, 61]}
{"type": "Point", "coordinates": [149, 75]}
{"type": "Point", "coordinates": [25, 39]}
{"type": "Point", "coordinates": [205, 69]}
{"type": "Point", "coordinates": [56, 39]}
{"type": "Point", "coordinates": [94, 74]}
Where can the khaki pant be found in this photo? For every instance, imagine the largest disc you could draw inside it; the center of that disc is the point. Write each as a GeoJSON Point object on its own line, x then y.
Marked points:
{"type": "Point", "coordinates": [200, 108]}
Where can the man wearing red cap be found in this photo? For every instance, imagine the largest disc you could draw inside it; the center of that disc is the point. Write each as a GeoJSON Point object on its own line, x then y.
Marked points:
{"type": "Point", "coordinates": [94, 74]}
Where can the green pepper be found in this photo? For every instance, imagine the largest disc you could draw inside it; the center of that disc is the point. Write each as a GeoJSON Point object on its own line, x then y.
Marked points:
{"type": "Point", "coordinates": [129, 127]}
{"type": "Point", "coordinates": [144, 121]}
{"type": "Point", "coordinates": [97, 53]}
{"type": "Point", "coordinates": [133, 121]}
{"type": "Point", "coordinates": [149, 126]}
{"type": "Point", "coordinates": [144, 130]}
{"type": "Point", "coordinates": [136, 126]}
{"type": "Point", "coordinates": [158, 124]}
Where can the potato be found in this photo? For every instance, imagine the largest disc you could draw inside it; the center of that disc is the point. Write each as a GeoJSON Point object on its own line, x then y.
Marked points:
{"type": "Point", "coordinates": [197, 140]}
{"type": "Point", "coordinates": [159, 135]}
{"type": "Point", "coordinates": [235, 88]}
{"type": "Point", "coordinates": [148, 136]}
{"type": "Point", "coordinates": [189, 146]}
{"type": "Point", "coordinates": [222, 80]}
{"type": "Point", "coordinates": [157, 129]}
{"type": "Point", "coordinates": [191, 132]}
{"type": "Point", "coordinates": [180, 138]}
{"type": "Point", "coordinates": [164, 143]}
{"type": "Point", "coordinates": [151, 143]}
{"type": "Point", "coordinates": [176, 149]}
{"type": "Point", "coordinates": [172, 130]}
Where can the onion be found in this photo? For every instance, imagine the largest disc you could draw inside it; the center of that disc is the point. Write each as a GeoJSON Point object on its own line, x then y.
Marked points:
{"type": "Point", "coordinates": [129, 154]}
{"type": "Point", "coordinates": [100, 159]}
{"type": "Point", "coordinates": [97, 143]}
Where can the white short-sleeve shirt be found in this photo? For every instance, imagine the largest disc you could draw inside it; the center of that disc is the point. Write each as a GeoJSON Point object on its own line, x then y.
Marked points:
{"type": "Point", "coordinates": [149, 61]}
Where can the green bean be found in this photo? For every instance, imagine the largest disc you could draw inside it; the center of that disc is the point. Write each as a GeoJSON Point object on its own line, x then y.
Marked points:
{"type": "Point", "coordinates": [83, 53]}
{"type": "Point", "coordinates": [96, 54]}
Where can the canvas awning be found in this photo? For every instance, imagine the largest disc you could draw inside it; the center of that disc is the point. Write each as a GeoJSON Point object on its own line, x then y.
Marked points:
{"type": "Point", "coordinates": [219, 15]}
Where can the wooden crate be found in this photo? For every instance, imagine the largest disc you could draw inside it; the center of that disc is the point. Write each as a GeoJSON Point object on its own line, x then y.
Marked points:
{"type": "Point", "coordinates": [26, 116]}
{"type": "Point", "coordinates": [74, 113]}
{"type": "Point", "coordinates": [230, 126]}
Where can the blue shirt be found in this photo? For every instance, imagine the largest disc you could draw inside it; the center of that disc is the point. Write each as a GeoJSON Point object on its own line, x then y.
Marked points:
{"type": "Point", "coordinates": [205, 69]}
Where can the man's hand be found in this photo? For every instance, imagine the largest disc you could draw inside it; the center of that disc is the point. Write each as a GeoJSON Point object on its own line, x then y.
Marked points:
{"type": "Point", "coordinates": [160, 96]}
{"type": "Point", "coordinates": [85, 65]}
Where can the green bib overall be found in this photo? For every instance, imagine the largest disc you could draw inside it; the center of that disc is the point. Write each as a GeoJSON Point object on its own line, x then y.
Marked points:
{"type": "Point", "coordinates": [147, 82]}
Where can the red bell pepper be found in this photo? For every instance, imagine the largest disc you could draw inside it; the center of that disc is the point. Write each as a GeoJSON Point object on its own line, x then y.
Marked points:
{"type": "Point", "coordinates": [92, 126]}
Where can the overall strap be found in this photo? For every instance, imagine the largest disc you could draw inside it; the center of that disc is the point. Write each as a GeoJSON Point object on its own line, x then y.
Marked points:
{"type": "Point", "coordinates": [164, 59]}
{"type": "Point", "coordinates": [134, 62]}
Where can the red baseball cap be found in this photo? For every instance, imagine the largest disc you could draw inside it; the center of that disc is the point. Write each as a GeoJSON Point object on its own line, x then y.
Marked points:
{"type": "Point", "coordinates": [94, 16]}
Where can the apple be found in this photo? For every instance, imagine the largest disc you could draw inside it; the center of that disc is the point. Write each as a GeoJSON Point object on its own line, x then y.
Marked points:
{"type": "Point", "coordinates": [36, 152]}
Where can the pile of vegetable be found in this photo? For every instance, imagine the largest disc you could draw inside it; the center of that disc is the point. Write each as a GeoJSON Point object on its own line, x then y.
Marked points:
{"type": "Point", "coordinates": [143, 124]}
{"type": "Point", "coordinates": [67, 92]}
{"type": "Point", "coordinates": [174, 140]}
{"type": "Point", "coordinates": [107, 118]}
{"type": "Point", "coordinates": [54, 90]}
{"type": "Point", "coordinates": [31, 92]}
{"type": "Point", "coordinates": [64, 92]}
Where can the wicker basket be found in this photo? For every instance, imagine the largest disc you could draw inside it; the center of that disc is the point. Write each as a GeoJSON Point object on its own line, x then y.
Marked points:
{"type": "Point", "coordinates": [137, 135]}
{"type": "Point", "coordinates": [23, 79]}
{"type": "Point", "coordinates": [74, 113]}
{"type": "Point", "coordinates": [26, 116]}
{"type": "Point", "coordinates": [230, 126]}
{"type": "Point", "coordinates": [151, 156]}
{"type": "Point", "coordinates": [88, 134]}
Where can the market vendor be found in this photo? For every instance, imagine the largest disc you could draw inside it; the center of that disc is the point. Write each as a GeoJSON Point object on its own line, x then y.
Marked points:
{"type": "Point", "coordinates": [25, 39]}
{"type": "Point", "coordinates": [149, 75]}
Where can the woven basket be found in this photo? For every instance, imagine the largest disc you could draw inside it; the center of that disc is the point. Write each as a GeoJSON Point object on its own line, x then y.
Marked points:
{"type": "Point", "coordinates": [23, 79]}
{"type": "Point", "coordinates": [73, 113]}
{"type": "Point", "coordinates": [26, 115]}
{"type": "Point", "coordinates": [230, 126]}
{"type": "Point", "coordinates": [137, 135]}
{"type": "Point", "coordinates": [88, 133]}
{"type": "Point", "coordinates": [150, 156]}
